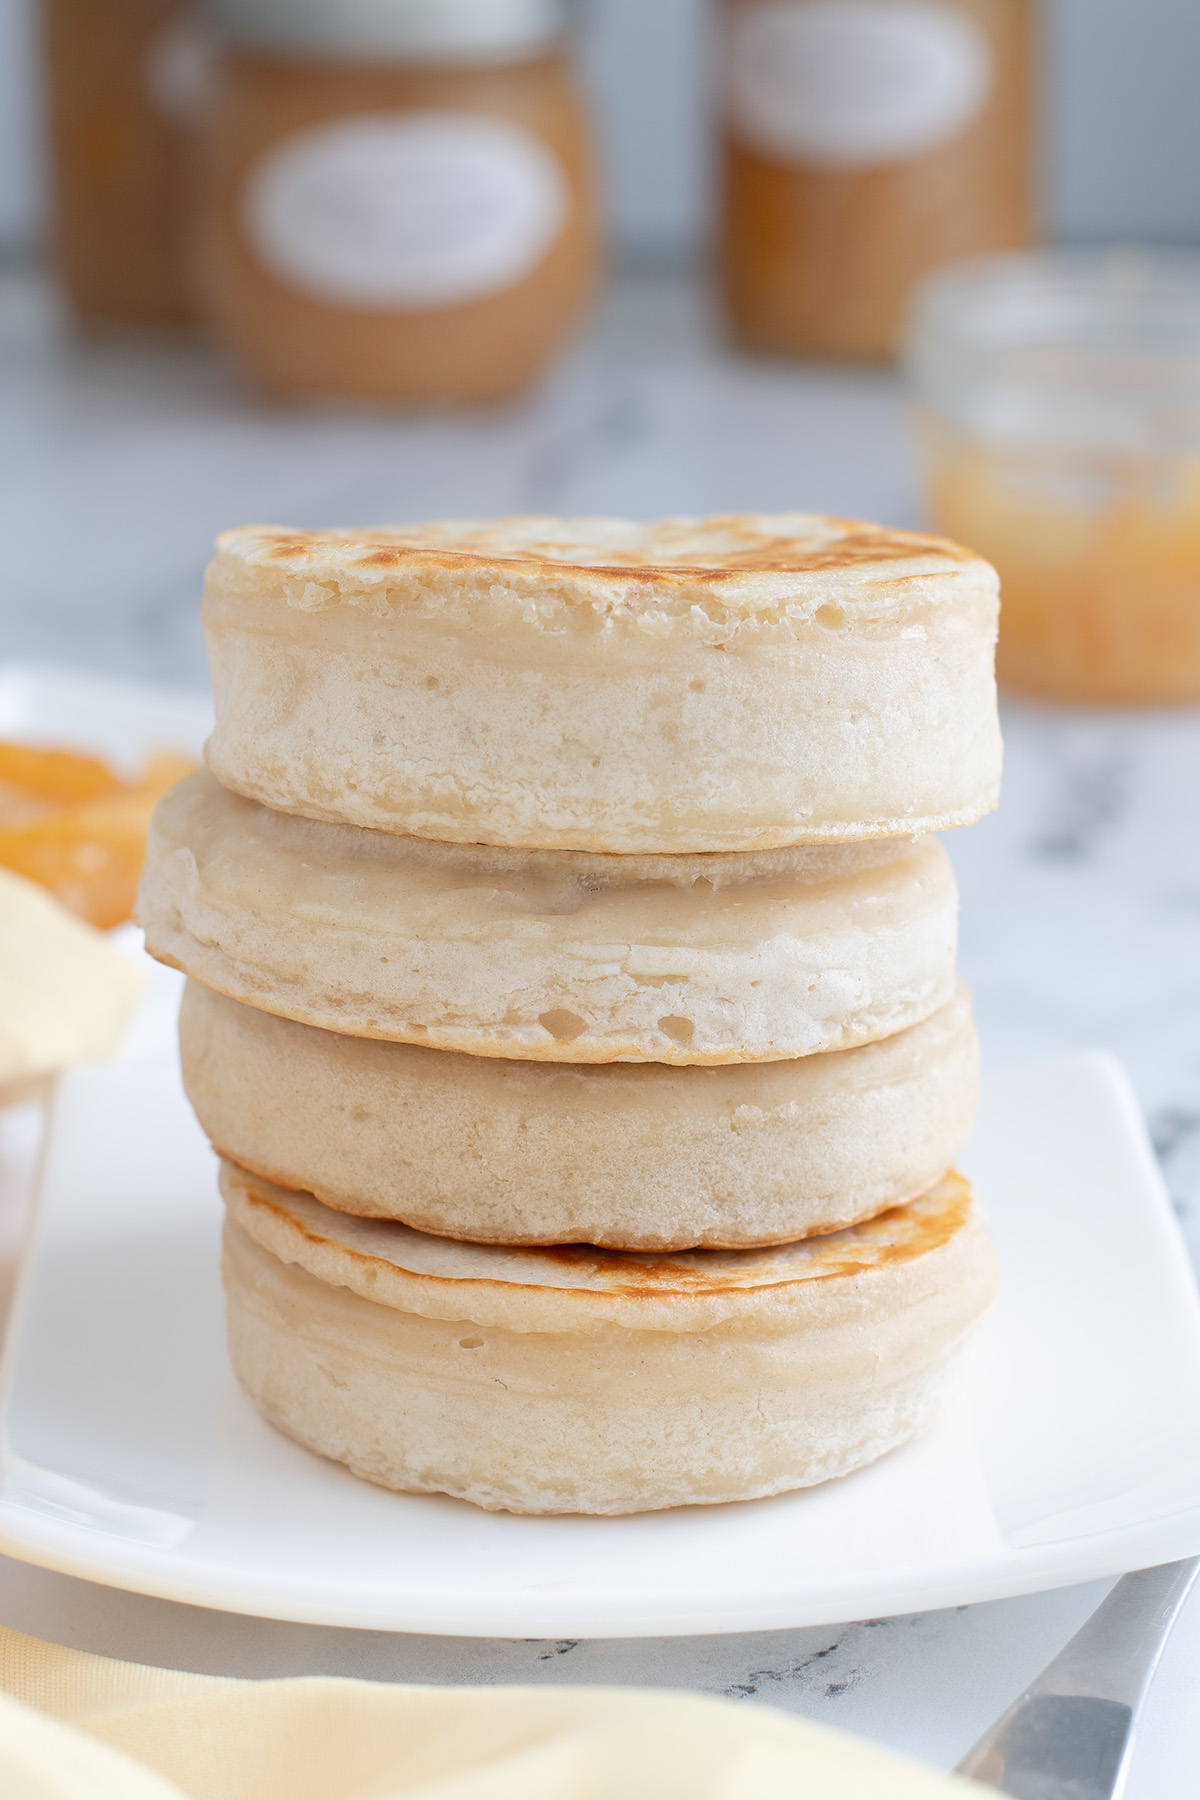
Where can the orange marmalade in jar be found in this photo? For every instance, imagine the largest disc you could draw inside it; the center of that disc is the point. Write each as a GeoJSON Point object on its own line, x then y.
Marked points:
{"type": "Point", "coordinates": [866, 142]}
{"type": "Point", "coordinates": [398, 198]}
{"type": "Point", "coordinates": [1058, 404]}
{"type": "Point", "coordinates": [126, 80]}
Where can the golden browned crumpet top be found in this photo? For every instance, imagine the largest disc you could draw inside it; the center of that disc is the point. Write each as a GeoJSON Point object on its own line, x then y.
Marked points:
{"type": "Point", "coordinates": [577, 1287]}
{"type": "Point", "coordinates": [740, 682]}
{"type": "Point", "coordinates": [626, 561]}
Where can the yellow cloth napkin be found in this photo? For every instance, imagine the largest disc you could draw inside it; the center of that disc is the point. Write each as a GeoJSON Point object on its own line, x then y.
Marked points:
{"type": "Point", "coordinates": [79, 1727]}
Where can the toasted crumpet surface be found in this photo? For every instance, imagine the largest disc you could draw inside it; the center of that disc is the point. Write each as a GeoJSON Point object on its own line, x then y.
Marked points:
{"type": "Point", "coordinates": [688, 685]}
{"type": "Point", "coordinates": [579, 1287]}
{"type": "Point", "coordinates": [579, 1380]}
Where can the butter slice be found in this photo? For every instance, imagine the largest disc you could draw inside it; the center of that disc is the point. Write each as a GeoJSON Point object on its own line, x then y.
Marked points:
{"type": "Point", "coordinates": [64, 995]}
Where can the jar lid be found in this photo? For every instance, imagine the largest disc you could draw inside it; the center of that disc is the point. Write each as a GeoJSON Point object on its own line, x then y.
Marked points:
{"type": "Point", "coordinates": [404, 30]}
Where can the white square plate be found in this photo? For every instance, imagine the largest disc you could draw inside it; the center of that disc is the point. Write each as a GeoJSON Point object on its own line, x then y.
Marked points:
{"type": "Point", "coordinates": [130, 1456]}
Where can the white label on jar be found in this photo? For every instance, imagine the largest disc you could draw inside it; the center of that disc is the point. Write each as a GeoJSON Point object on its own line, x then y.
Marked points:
{"type": "Point", "coordinates": [851, 83]}
{"type": "Point", "coordinates": [405, 211]}
{"type": "Point", "coordinates": [178, 70]}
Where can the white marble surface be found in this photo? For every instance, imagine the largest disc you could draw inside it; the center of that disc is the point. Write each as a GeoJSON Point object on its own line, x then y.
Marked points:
{"type": "Point", "coordinates": [1081, 897]}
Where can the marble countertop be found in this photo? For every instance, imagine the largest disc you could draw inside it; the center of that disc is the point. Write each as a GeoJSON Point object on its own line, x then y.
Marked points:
{"type": "Point", "coordinates": [1081, 896]}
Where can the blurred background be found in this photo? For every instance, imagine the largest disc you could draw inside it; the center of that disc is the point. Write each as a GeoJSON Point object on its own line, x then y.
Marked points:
{"type": "Point", "coordinates": [1122, 128]}
{"type": "Point", "coordinates": [219, 227]}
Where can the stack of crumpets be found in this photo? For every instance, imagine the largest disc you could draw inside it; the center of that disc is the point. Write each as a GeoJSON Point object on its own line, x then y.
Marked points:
{"type": "Point", "coordinates": [572, 995]}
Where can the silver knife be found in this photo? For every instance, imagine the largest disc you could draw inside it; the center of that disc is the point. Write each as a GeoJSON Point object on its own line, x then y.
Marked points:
{"type": "Point", "coordinates": [1068, 1737]}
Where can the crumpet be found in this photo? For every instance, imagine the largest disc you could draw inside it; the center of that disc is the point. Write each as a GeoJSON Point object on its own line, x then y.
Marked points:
{"type": "Point", "coordinates": [633, 1156]}
{"type": "Point", "coordinates": [732, 683]}
{"type": "Point", "coordinates": [585, 1380]}
{"type": "Point", "coordinates": [555, 956]}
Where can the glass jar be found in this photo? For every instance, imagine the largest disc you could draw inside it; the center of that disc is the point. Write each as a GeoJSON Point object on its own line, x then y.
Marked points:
{"type": "Point", "coordinates": [1058, 403]}
{"type": "Point", "coordinates": [398, 197]}
{"type": "Point", "coordinates": [125, 81]}
{"type": "Point", "coordinates": [866, 142]}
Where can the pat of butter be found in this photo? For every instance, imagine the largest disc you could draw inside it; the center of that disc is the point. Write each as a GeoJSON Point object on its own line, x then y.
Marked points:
{"type": "Point", "coordinates": [64, 995]}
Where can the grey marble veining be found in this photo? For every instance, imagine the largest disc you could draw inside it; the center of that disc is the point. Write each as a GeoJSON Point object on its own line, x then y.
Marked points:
{"type": "Point", "coordinates": [120, 463]}
{"type": "Point", "coordinates": [1081, 911]}
{"type": "Point", "coordinates": [925, 1684]}
{"type": "Point", "coordinates": [1081, 896]}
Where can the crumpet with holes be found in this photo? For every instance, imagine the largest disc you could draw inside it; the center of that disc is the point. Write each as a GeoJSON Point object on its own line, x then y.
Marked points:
{"type": "Point", "coordinates": [689, 685]}
{"type": "Point", "coordinates": [632, 1156]}
{"type": "Point", "coordinates": [586, 1380]}
{"type": "Point", "coordinates": [553, 956]}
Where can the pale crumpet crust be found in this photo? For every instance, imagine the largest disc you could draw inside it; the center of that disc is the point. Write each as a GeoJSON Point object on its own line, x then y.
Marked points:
{"type": "Point", "coordinates": [629, 1156]}
{"type": "Point", "coordinates": [554, 956]}
{"type": "Point", "coordinates": [732, 683]}
{"type": "Point", "coordinates": [583, 1380]}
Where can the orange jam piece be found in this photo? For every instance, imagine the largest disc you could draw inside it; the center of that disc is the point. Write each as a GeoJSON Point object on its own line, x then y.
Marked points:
{"type": "Point", "coordinates": [71, 824]}
{"type": "Point", "coordinates": [1099, 564]}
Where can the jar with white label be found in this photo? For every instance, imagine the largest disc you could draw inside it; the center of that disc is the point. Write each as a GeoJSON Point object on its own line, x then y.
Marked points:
{"type": "Point", "coordinates": [125, 82]}
{"type": "Point", "coordinates": [398, 198]}
{"type": "Point", "coordinates": [867, 142]}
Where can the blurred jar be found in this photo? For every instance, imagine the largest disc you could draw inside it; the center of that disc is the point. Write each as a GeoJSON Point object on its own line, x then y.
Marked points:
{"type": "Point", "coordinates": [125, 81]}
{"type": "Point", "coordinates": [1058, 401]}
{"type": "Point", "coordinates": [865, 143]}
{"type": "Point", "coordinates": [398, 198]}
